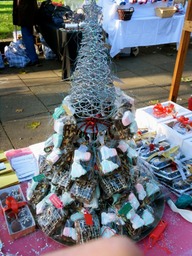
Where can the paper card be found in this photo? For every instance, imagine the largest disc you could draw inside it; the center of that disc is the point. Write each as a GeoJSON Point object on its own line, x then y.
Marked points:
{"type": "Point", "coordinates": [39, 177]}
{"type": "Point", "coordinates": [56, 201]}
{"type": "Point", "coordinates": [17, 152]}
{"type": "Point", "coordinates": [24, 165]}
{"type": "Point", "coordinates": [2, 166]}
{"type": "Point", "coordinates": [7, 169]}
{"type": "Point", "coordinates": [88, 219]}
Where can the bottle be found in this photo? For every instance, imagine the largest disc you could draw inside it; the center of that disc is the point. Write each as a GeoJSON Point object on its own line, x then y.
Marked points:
{"type": "Point", "coordinates": [190, 103]}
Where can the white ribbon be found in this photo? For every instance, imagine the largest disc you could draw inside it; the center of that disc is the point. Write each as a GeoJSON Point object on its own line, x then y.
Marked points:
{"type": "Point", "coordinates": [186, 214]}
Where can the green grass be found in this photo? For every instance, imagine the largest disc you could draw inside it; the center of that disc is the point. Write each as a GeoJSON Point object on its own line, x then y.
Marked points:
{"type": "Point", "coordinates": [6, 27]}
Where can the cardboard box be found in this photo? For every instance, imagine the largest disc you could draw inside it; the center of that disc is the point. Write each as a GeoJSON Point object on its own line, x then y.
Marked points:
{"type": "Point", "coordinates": [21, 223]}
{"type": "Point", "coordinates": [146, 119]}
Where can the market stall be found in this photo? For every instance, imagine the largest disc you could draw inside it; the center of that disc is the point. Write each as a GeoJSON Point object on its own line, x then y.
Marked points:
{"type": "Point", "coordinates": [143, 29]}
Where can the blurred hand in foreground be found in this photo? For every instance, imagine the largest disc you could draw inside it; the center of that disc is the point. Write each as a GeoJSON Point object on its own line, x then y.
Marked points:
{"type": "Point", "coordinates": [115, 246]}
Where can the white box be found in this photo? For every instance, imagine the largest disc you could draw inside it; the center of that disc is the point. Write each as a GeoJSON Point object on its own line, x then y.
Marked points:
{"type": "Point", "coordinates": [187, 147]}
{"type": "Point", "coordinates": [172, 135]}
{"type": "Point", "coordinates": [146, 119]}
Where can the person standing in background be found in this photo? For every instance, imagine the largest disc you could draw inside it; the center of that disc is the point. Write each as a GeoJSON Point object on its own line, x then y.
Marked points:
{"type": "Point", "coordinates": [25, 13]}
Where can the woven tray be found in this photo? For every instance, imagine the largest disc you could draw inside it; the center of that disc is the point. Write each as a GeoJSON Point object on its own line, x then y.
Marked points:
{"type": "Point", "coordinates": [125, 14]}
{"type": "Point", "coordinates": [165, 12]}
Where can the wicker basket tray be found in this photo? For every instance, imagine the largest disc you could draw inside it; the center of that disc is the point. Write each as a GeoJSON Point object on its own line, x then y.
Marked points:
{"type": "Point", "coordinates": [165, 12]}
{"type": "Point", "coordinates": [125, 14]}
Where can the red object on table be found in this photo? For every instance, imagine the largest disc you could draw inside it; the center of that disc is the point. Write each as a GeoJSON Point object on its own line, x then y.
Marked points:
{"type": "Point", "coordinates": [190, 103]}
{"type": "Point", "coordinates": [12, 204]}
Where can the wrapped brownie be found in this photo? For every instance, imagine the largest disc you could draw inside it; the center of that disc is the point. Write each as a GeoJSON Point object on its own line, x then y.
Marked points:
{"type": "Point", "coordinates": [37, 189]}
{"type": "Point", "coordinates": [51, 219]}
{"type": "Point", "coordinates": [86, 232]}
{"type": "Point", "coordinates": [83, 190]}
{"type": "Point", "coordinates": [112, 184]}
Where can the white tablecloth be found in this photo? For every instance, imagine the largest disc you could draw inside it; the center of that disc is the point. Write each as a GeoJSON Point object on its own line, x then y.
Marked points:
{"type": "Point", "coordinates": [144, 28]}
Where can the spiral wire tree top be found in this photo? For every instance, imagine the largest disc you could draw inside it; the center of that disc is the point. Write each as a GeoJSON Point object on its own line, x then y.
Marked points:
{"type": "Point", "coordinates": [92, 89]}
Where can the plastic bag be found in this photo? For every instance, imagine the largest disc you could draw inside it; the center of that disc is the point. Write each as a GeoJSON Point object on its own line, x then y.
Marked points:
{"type": "Point", "coordinates": [48, 53]}
{"type": "Point", "coordinates": [54, 13]}
{"type": "Point", "coordinates": [15, 54]}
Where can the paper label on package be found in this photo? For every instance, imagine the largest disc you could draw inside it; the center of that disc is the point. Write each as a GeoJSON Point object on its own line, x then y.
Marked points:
{"type": "Point", "coordinates": [88, 219]}
{"type": "Point", "coordinates": [39, 177]}
{"type": "Point", "coordinates": [58, 112]}
{"type": "Point", "coordinates": [56, 201]}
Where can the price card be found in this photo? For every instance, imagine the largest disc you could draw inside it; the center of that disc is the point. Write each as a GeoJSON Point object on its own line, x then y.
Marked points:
{"type": "Point", "coordinates": [56, 201]}
{"type": "Point", "coordinates": [2, 166]}
{"type": "Point", "coordinates": [39, 177]}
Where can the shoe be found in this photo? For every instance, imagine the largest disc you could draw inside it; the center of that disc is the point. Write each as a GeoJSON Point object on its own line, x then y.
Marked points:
{"type": "Point", "coordinates": [134, 51]}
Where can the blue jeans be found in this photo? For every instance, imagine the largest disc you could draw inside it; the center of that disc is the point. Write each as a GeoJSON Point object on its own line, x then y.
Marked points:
{"type": "Point", "coordinates": [28, 41]}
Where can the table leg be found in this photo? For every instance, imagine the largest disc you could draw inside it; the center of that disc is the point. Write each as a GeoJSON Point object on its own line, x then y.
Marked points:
{"type": "Point", "coordinates": [66, 67]}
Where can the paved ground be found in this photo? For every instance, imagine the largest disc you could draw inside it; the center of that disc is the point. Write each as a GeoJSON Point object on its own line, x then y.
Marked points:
{"type": "Point", "coordinates": [29, 95]}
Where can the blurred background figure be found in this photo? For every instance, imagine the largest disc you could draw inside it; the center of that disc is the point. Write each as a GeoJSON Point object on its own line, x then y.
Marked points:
{"type": "Point", "coordinates": [25, 14]}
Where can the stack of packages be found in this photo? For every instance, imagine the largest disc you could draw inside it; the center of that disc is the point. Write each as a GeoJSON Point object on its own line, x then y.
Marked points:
{"type": "Point", "coordinates": [165, 144]}
{"type": "Point", "coordinates": [89, 184]}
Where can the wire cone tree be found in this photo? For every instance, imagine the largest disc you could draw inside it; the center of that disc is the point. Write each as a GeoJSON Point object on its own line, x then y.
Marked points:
{"type": "Point", "coordinates": [92, 90]}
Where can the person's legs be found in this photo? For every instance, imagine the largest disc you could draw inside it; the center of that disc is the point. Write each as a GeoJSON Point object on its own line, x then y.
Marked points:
{"type": "Point", "coordinates": [28, 41]}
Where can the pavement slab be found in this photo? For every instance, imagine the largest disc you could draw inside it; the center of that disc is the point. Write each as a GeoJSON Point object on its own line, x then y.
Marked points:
{"type": "Point", "coordinates": [30, 95]}
{"type": "Point", "coordinates": [22, 134]}
{"type": "Point", "coordinates": [21, 105]}
{"type": "Point", "coordinates": [52, 93]}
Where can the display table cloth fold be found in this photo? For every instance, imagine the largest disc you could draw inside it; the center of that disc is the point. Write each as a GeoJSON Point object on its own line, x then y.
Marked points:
{"type": "Point", "coordinates": [144, 32]}
{"type": "Point", "coordinates": [144, 28]}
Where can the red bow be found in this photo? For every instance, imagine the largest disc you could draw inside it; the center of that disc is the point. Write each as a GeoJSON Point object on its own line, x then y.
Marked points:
{"type": "Point", "coordinates": [162, 111]}
{"type": "Point", "coordinates": [13, 204]}
{"type": "Point", "coordinates": [184, 121]}
{"type": "Point", "coordinates": [92, 123]}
